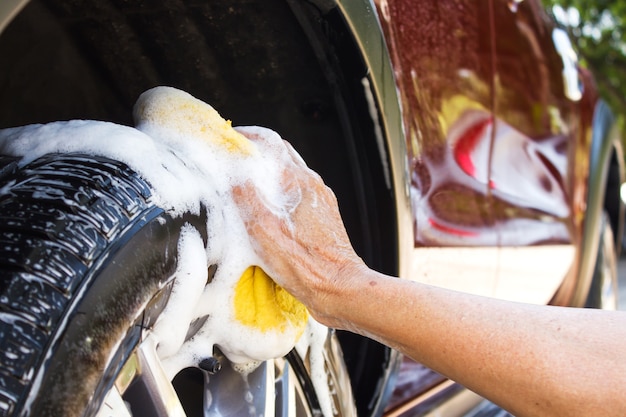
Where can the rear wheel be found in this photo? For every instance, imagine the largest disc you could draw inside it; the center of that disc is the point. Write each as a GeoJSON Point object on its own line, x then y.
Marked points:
{"type": "Point", "coordinates": [87, 265]}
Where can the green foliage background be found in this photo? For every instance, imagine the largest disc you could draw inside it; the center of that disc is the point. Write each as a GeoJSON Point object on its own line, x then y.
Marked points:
{"type": "Point", "coordinates": [600, 39]}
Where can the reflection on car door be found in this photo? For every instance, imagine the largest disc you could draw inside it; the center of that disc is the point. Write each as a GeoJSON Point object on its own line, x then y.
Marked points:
{"type": "Point", "coordinates": [534, 131]}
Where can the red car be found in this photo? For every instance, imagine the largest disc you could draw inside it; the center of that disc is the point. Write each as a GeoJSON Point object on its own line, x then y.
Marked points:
{"type": "Point", "coordinates": [466, 147]}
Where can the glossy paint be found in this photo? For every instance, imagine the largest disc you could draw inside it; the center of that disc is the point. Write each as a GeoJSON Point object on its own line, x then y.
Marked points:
{"type": "Point", "coordinates": [497, 129]}
{"type": "Point", "coordinates": [491, 108]}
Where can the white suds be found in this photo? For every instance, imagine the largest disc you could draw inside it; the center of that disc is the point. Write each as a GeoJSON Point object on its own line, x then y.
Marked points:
{"type": "Point", "coordinates": [186, 172]}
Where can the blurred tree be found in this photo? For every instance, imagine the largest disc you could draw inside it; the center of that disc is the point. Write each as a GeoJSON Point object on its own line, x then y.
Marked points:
{"type": "Point", "coordinates": [598, 30]}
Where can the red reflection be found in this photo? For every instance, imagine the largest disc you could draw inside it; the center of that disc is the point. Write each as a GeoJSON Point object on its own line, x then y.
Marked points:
{"type": "Point", "coordinates": [451, 230]}
{"type": "Point", "coordinates": [468, 142]}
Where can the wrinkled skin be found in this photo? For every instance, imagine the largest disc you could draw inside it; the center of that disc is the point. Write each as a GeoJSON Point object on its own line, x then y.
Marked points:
{"type": "Point", "coordinates": [306, 249]}
{"type": "Point", "coordinates": [531, 360]}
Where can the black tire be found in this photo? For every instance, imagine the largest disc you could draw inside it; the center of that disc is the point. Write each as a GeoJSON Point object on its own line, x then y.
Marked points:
{"type": "Point", "coordinates": [86, 265]}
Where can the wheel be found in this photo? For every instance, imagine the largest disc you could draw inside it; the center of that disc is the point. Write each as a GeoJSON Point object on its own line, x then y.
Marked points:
{"type": "Point", "coordinates": [603, 292]}
{"type": "Point", "coordinates": [87, 267]}
{"type": "Point", "coordinates": [300, 71]}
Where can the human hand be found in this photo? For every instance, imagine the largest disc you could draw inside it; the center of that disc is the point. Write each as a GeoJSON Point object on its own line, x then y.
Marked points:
{"type": "Point", "coordinates": [303, 244]}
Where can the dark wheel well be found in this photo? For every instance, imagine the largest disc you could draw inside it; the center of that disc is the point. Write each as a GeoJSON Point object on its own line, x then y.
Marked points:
{"type": "Point", "coordinates": [285, 64]}
{"type": "Point", "coordinates": [613, 204]}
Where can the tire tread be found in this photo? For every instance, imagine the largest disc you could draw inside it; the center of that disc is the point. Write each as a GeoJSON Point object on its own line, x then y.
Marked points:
{"type": "Point", "coordinates": [58, 215]}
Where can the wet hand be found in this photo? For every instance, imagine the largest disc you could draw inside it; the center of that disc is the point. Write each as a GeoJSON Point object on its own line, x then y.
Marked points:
{"type": "Point", "coordinates": [303, 244]}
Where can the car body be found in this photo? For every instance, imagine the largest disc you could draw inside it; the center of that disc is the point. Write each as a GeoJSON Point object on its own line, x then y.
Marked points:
{"type": "Point", "coordinates": [466, 147]}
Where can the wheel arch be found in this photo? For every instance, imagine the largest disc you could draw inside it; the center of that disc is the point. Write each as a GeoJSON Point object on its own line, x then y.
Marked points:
{"type": "Point", "coordinates": [606, 173]}
{"type": "Point", "coordinates": [8, 10]}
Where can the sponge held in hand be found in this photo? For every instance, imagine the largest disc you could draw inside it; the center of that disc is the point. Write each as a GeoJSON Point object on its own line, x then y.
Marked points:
{"type": "Point", "coordinates": [262, 304]}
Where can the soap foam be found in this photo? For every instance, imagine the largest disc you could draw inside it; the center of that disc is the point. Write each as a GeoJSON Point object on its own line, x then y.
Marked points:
{"type": "Point", "coordinates": [186, 172]}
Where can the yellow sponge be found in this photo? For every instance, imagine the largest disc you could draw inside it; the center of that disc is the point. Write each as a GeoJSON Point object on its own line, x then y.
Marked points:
{"type": "Point", "coordinates": [259, 303]}
{"type": "Point", "coordinates": [181, 112]}
{"type": "Point", "coordinates": [262, 304]}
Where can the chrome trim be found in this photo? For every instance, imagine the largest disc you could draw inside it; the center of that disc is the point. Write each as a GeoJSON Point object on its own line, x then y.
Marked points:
{"type": "Point", "coordinates": [460, 404]}
{"type": "Point", "coordinates": [338, 374]}
{"type": "Point", "coordinates": [8, 10]}
{"type": "Point", "coordinates": [257, 390]}
{"type": "Point", "coordinates": [415, 401]}
{"type": "Point", "coordinates": [158, 386]}
{"type": "Point", "coordinates": [285, 389]}
{"type": "Point", "coordinates": [604, 138]}
{"type": "Point", "coordinates": [609, 299]}
{"type": "Point", "coordinates": [362, 19]}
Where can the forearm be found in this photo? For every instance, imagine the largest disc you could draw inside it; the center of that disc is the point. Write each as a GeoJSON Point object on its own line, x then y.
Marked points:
{"type": "Point", "coordinates": [534, 360]}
